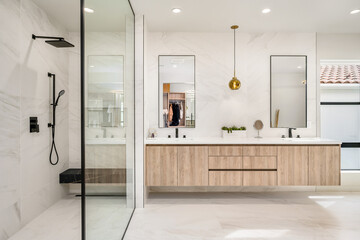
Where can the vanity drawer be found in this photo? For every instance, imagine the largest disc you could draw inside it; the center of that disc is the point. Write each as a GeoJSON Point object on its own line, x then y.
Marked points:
{"type": "Point", "coordinates": [225, 162]}
{"type": "Point", "coordinates": [225, 151]}
{"type": "Point", "coordinates": [259, 178]}
{"type": "Point", "coordinates": [225, 178]}
{"type": "Point", "coordinates": [260, 151]}
{"type": "Point", "coordinates": [260, 162]}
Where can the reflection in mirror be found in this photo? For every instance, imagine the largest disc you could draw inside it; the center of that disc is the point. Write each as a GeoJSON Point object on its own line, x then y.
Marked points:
{"type": "Point", "coordinates": [105, 105]}
{"type": "Point", "coordinates": [176, 91]}
{"type": "Point", "coordinates": [288, 91]}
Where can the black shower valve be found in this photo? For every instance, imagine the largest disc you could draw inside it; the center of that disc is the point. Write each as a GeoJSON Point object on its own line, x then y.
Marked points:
{"type": "Point", "coordinates": [34, 126]}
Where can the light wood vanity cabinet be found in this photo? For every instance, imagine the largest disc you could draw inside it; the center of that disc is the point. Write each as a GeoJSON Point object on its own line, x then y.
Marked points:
{"type": "Point", "coordinates": [260, 151]}
{"type": "Point", "coordinates": [259, 178]}
{"type": "Point", "coordinates": [225, 150]}
{"type": "Point", "coordinates": [242, 165]}
{"type": "Point", "coordinates": [193, 166]}
{"type": "Point", "coordinates": [161, 166]}
{"type": "Point", "coordinates": [225, 162]}
{"type": "Point", "coordinates": [293, 165]}
{"type": "Point", "coordinates": [324, 165]}
{"type": "Point", "coordinates": [225, 178]}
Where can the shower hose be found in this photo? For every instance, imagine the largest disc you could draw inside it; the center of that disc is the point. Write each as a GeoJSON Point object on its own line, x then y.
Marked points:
{"type": "Point", "coordinates": [53, 147]}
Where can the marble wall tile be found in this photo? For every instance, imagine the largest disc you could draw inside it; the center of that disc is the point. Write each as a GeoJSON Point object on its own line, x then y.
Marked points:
{"type": "Point", "coordinates": [75, 100]}
{"type": "Point", "coordinates": [28, 183]}
{"type": "Point", "coordinates": [10, 118]}
{"type": "Point", "coordinates": [216, 104]}
{"type": "Point", "coordinates": [37, 59]}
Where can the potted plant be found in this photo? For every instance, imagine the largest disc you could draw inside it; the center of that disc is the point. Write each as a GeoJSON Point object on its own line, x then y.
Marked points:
{"type": "Point", "coordinates": [234, 131]}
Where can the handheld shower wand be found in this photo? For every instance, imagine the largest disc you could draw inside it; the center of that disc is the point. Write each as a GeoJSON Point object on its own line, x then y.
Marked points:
{"type": "Point", "coordinates": [52, 125]}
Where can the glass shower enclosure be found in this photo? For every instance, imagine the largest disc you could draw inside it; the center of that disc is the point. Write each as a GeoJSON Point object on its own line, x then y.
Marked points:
{"type": "Point", "coordinates": [107, 118]}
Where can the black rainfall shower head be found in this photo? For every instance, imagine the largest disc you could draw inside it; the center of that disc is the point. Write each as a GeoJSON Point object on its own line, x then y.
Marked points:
{"type": "Point", "coordinates": [61, 43]}
{"type": "Point", "coordinates": [58, 42]}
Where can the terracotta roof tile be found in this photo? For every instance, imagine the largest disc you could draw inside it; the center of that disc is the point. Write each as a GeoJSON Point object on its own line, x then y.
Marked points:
{"type": "Point", "coordinates": [340, 74]}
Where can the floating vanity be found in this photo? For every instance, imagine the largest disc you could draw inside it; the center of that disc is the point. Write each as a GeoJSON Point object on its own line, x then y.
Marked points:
{"type": "Point", "coordinates": [242, 162]}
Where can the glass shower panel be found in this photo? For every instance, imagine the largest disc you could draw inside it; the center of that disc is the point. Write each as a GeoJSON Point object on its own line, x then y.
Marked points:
{"type": "Point", "coordinates": [109, 118]}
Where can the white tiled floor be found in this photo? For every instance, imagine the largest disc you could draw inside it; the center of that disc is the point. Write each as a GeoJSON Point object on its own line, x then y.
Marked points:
{"type": "Point", "coordinates": [285, 215]}
{"type": "Point", "coordinates": [107, 218]}
{"type": "Point", "coordinates": [211, 216]}
{"type": "Point", "coordinates": [61, 221]}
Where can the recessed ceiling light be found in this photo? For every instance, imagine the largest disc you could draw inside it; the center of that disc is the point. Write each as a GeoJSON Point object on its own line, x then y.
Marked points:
{"type": "Point", "coordinates": [355, 11]}
{"type": "Point", "coordinates": [92, 66]}
{"type": "Point", "coordinates": [266, 10]}
{"type": "Point", "coordinates": [89, 10]}
{"type": "Point", "coordinates": [299, 67]}
{"type": "Point", "coordinates": [176, 10]}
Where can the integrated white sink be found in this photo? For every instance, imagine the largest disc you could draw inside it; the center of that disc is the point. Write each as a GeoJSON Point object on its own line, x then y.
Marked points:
{"type": "Point", "coordinates": [170, 139]}
{"type": "Point", "coordinates": [301, 139]}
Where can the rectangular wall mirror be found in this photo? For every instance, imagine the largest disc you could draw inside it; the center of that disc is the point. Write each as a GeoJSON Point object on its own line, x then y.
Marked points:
{"type": "Point", "coordinates": [176, 91]}
{"type": "Point", "coordinates": [288, 91]}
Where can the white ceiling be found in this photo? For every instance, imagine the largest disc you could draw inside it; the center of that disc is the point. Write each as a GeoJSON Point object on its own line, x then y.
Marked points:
{"type": "Point", "coordinates": [331, 16]}
{"type": "Point", "coordinates": [109, 15]}
{"type": "Point", "coordinates": [65, 12]}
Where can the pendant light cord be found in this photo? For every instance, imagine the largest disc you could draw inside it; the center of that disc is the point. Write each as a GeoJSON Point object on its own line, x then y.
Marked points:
{"type": "Point", "coordinates": [234, 53]}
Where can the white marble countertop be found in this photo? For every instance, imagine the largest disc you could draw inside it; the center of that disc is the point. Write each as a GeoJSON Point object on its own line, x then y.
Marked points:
{"type": "Point", "coordinates": [249, 141]}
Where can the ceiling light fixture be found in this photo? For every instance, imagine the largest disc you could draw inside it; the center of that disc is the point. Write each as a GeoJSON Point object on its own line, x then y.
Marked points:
{"type": "Point", "coordinates": [176, 10]}
{"type": "Point", "coordinates": [234, 84]}
{"type": "Point", "coordinates": [299, 67]}
{"type": "Point", "coordinates": [89, 10]}
{"type": "Point", "coordinates": [266, 10]}
{"type": "Point", "coordinates": [355, 11]}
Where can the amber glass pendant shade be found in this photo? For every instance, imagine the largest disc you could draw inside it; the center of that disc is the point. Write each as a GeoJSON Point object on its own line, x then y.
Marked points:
{"type": "Point", "coordinates": [234, 83]}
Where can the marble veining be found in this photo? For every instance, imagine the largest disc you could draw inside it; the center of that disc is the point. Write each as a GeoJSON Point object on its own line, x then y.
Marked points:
{"type": "Point", "coordinates": [216, 104]}
{"type": "Point", "coordinates": [24, 92]}
{"type": "Point", "coordinates": [214, 216]}
{"type": "Point", "coordinates": [290, 215]}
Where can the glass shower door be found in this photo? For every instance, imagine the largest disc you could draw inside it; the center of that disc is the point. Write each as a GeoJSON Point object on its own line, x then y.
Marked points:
{"type": "Point", "coordinates": [108, 118]}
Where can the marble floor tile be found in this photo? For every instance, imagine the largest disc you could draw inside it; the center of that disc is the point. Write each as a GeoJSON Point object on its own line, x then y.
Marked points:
{"type": "Point", "coordinates": [276, 215]}
{"type": "Point", "coordinates": [206, 216]}
{"type": "Point", "coordinates": [60, 221]}
{"type": "Point", "coordinates": [107, 218]}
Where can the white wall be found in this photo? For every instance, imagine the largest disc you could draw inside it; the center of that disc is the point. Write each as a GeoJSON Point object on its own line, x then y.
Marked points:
{"type": "Point", "coordinates": [216, 104]}
{"type": "Point", "coordinates": [140, 32]}
{"type": "Point", "coordinates": [338, 46]}
{"type": "Point", "coordinates": [114, 45]}
{"type": "Point", "coordinates": [28, 183]}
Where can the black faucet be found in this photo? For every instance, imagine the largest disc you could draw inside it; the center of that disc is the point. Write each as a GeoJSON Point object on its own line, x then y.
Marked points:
{"type": "Point", "coordinates": [176, 132]}
{"type": "Point", "coordinates": [290, 132]}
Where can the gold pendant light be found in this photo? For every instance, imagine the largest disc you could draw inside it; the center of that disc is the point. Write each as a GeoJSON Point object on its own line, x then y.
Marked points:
{"type": "Point", "coordinates": [234, 84]}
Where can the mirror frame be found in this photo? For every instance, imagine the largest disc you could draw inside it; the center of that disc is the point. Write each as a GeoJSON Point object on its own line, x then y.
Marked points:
{"type": "Point", "coordinates": [306, 94]}
{"type": "Point", "coordinates": [158, 113]}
